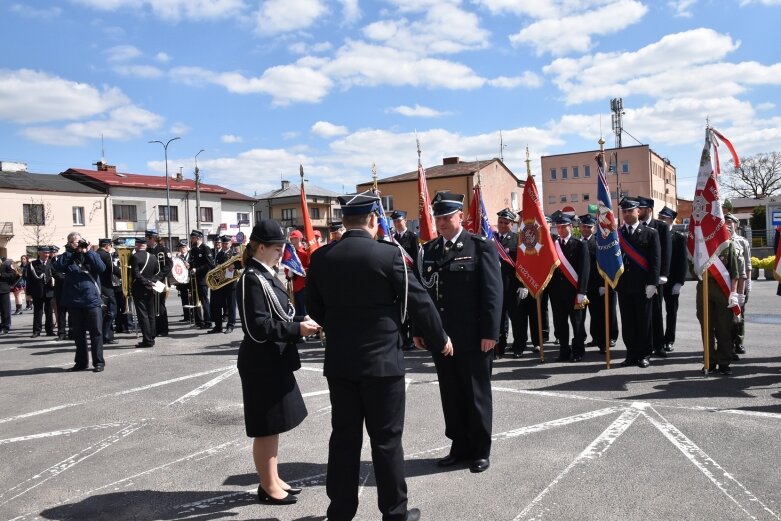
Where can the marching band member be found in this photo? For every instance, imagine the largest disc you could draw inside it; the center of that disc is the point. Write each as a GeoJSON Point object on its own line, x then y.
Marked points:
{"type": "Point", "coordinates": [223, 300]}
{"type": "Point", "coordinates": [201, 261]}
{"type": "Point", "coordinates": [107, 281]}
{"type": "Point", "coordinates": [40, 286]}
{"type": "Point", "coordinates": [144, 267]}
{"type": "Point", "coordinates": [185, 294]}
{"type": "Point", "coordinates": [163, 257]}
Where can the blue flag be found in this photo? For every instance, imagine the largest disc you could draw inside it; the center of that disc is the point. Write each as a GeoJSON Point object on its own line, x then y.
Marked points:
{"type": "Point", "coordinates": [291, 261]}
{"type": "Point", "coordinates": [385, 223]}
{"type": "Point", "coordinates": [609, 262]}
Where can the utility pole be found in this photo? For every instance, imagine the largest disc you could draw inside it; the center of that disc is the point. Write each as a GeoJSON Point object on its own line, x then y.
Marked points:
{"type": "Point", "coordinates": [198, 193]}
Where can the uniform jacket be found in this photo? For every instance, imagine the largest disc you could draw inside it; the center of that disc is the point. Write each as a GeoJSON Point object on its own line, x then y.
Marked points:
{"type": "Point", "coordinates": [80, 285]}
{"type": "Point", "coordinates": [665, 243]}
{"type": "Point", "coordinates": [355, 291]}
{"type": "Point", "coordinates": [468, 293]}
{"type": "Point", "coordinates": [144, 269]}
{"type": "Point", "coordinates": [8, 277]}
{"type": "Point", "coordinates": [40, 281]}
{"type": "Point", "coordinates": [646, 241]}
{"type": "Point", "coordinates": [107, 276]}
{"type": "Point", "coordinates": [410, 241]}
{"type": "Point", "coordinates": [595, 280]}
{"type": "Point", "coordinates": [201, 258]}
{"type": "Point", "coordinates": [269, 344]}
{"type": "Point", "coordinates": [679, 267]}
{"type": "Point", "coordinates": [576, 252]}
{"type": "Point", "coordinates": [510, 282]}
{"type": "Point", "coordinates": [161, 252]}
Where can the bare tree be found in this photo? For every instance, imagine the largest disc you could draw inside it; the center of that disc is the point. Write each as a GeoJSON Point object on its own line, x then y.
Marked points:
{"type": "Point", "coordinates": [38, 223]}
{"type": "Point", "coordinates": [759, 176]}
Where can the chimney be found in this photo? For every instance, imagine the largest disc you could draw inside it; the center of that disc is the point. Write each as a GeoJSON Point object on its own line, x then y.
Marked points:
{"type": "Point", "coordinates": [451, 160]}
{"type": "Point", "coordinates": [100, 166]}
{"type": "Point", "coordinates": [285, 185]}
{"type": "Point", "coordinates": [179, 175]}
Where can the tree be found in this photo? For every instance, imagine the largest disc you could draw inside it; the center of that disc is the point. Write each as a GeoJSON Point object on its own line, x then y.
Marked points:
{"type": "Point", "coordinates": [758, 217]}
{"type": "Point", "coordinates": [38, 222]}
{"type": "Point", "coordinates": [759, 176]}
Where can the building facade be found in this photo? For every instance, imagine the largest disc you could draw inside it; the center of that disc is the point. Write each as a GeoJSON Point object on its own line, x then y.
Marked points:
{"type": "Point", "coordinates": [284, 205]}
{"type": "Point", "coordinates": [570, 180]}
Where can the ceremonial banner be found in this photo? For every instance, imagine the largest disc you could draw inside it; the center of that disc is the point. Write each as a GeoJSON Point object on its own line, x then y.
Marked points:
{"type": "Point", "coordinates": [777, 265]}
{"type": "Point", "coordinates": [426, 219]}
{"type": "Point", "coordinates": [384, 232]}
{"type": "Point", "coordinates": [309, 233]}
{"type": "Point", "coordinates": [609, 262]}
{"type": "Point", "coordinates": [536, 258]}
{"type": "Point", "coordinates": [708, 235]}
{"type": "Point", "coordinates": [480, 225]}
{"type": "Point", "coordinates": [291, 261]}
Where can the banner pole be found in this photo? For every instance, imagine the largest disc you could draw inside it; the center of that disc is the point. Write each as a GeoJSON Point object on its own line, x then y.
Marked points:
{"type": "Point", "coordinates": [539, 329]}
{"type": "Point", "coordinates": [607, 324]}
{"type": "Point", "coordinates": [705, 323]}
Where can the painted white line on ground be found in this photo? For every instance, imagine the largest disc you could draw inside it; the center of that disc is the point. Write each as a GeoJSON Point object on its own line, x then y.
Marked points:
{"type": "Point", "coordinates": [197, 506]}
{"type": "Point", "coordinates": [211, 383]}
{"type": "Point", "coordinates": [71, 461]}
{"type": "Point", "coordinates": [313, 369]}
{"type": "Point", "coordinates": [561, 422]}
{"type": "Point", "coordinates": [315, 393]}
{"type": "Point", "coordinates": [9, 348]}
{"type": "Point", "coordinates": [724, 481]}
{"type": "Point", "coordinates": [595, 450]}
{"type": "Point", "coordinates": [62, 432]}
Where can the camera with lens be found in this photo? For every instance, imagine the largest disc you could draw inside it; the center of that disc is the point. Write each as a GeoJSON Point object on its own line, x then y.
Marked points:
{"type": "Point", "coordinates": [83, 243]}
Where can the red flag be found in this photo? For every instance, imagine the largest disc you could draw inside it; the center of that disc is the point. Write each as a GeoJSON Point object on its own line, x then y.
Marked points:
{"type": "Point", "coordinates": [536, 258]}
{"type": "Point", "coordinates": [309, 233]}
{"type": "Point", "coordinates": [427, 229]}
{"type": "Point", "coordinates": [777, 265]}
{"type": "Point", "coordinates": [708, 235]}
{"type": "Point", "coordinates": [473, 220]}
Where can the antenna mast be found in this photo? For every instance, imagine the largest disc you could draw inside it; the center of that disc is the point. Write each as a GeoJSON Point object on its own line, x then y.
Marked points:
{"type": "Point", "coordinates": [617, 107]}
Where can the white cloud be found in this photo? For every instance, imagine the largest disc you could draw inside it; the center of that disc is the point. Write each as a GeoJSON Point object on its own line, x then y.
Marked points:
{"type": "Point", "coordinates": [682, 8]}
{"type": "Point", "coordinates": [162, 57]}
{"type": "Point", "coordinates": [138, 71]}
{"type": "Point", "coordinates": [173, 10]}
{"type": "Point", "coordinates": [280, 16]}
{"type": "Point", "coordinates": [562, 35]}
{"type": "Point", "coordinates": [123, 123]}
{"type": "Point", "coordinates": [328, 130]}
{"type": "Point", "coordinates": [418, 111]}
{"type": "Point", "coordinates": [121, 53]}
{"type": "Point", "coordinates": [27, 11]}
{"type": "Point", "coordinates": [291, 134]}
{"type": "Point", "coordinates": [28, 96]}
{"type": "Point", "coordinates": [351, 12]}
{"type": "Point", "coordinates": [230, 138]}
{"type": "Point", "coordinates": [763, 2]}
{"type": "Point", "coordinates": [179, 128]}
{"type": "Point", "coordinates": [527, 79]}
{"type": "Point", "coordinates": [305, 48]}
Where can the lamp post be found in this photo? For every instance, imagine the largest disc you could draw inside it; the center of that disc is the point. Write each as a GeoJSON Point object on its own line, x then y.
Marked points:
{"type": "Point", "coordinates": [198, 192]}
{"type": "Point", "coordinates": [167, 186]}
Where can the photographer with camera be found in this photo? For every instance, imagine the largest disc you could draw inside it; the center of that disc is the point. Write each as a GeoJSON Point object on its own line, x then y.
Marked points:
{"type": "Point", "coordinates": [81, 267]}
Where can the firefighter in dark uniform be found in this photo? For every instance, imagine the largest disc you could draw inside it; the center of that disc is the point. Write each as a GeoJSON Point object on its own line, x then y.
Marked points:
{"type": "Point", "coordinates": [60, 311]}
{"type": "Point", "coordinates": [125, 321]}
{"type": "Point", "coordinates": [144, 268]}
{"type": "Point", "coordinates": [223, 301]}
{"type": "Point", "coordinates": [335, 231]}
{"type": "Point", "coordinates": [646, 212]}
{"type": "Point", "coordinates": [596, 291]}
{"type": "Point", "coordinates": [511, 299]}
{"type": "Point", "coordinates": [679, 268]}
{"type": "Point", "coordinates": [40, 286]}
{"type": "Point", "coordinates": [568, 287]}
{"type": "Point", "coordinates": [357, 291]}
{"type": "Point", "coordinates": [184, 289]}
{"type": "Point", "coordinates": [166, 262]}
{"type": "Point", "coordinates": [463, 277]}
{"type": "Point", "coordinates": [641, 253]}
{"type": "Point", "coordinates": [107, 279]}
{"type": "Point", "coordinates": [201, 261]}
{"type": "Point", "coordinates": [410, 241]}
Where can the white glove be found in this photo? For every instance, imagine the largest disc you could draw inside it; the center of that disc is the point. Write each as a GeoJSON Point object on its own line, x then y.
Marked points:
{"type": "Point", "coordinates": [733, 300]}
{"type": "Point", "coordinates": [741, 300]}
{"type": "Point", "coordinates": [581, 298]}
{"type": "Point", "coordinates": [650, 291]}
{"type": "Point", "coordinates": [662, 280]}
{"type": "Point", "coordinates": [522, 293]}
{"type": "Point", "coordinates": [676, 289]}
{"type": "Point", "coordinates": [602, 291]}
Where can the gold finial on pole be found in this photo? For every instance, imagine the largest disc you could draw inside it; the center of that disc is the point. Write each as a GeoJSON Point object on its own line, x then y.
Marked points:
{"type": "Point", "coordinates": [374, 177]}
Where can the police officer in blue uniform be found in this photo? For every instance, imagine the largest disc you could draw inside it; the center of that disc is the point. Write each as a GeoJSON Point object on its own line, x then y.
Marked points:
{"type": "Point", "coordinates": [462, 274]}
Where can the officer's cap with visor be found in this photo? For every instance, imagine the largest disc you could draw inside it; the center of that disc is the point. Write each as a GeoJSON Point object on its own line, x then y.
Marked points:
{"type": "Point", "coordinates": [587, 220]}
{"type": "Point", "coordinates": [397, 215]}
{"type": "Point", "coordinates": [359, 204]}
{"type": "Point", "coordinates": [196, 233]}
{"type": "Point", "coordinates": [668, 213]}
{"type": "Point", "coordinates": [629, 203]}
{"type": "Point", "coordinates": [645, 202]}
{"type": "Point", "coordinates": [563, 219]}
{"type": "Point", "coordinates": [103, 242]}
{"type": "Point", "coordinates": [446, 203]}
{"type": "Point", "coordinates": [507, 214]}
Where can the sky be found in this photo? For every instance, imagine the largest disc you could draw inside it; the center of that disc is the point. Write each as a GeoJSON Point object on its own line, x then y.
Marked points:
{"type": "Point", "coordinates": [340, 85]}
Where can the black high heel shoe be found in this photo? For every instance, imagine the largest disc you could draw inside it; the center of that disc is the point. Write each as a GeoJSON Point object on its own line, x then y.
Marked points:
{"type": "Point", "coordinates": [293, 490]}
{"type": "Point", "coordinates": [265, 499]}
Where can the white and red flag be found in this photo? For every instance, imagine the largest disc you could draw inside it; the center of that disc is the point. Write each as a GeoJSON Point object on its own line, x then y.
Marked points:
{"type": "Point", "coordinates": [536, 258]}
{"type": "Point", "coordinates": [427, 229]}
{"type": "Point", "coordinates": [309, 233]}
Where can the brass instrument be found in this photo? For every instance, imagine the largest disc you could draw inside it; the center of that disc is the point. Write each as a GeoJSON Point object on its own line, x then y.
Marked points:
{"type": "Point", "coordinates": [126, 275]}
{"type": "Point", "coordinates": [195, 298]}
{"type": "Point", "coordinates": [217, 276]}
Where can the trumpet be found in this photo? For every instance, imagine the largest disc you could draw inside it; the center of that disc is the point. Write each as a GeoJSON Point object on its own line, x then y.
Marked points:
{"type": "Point", "coordinates": [225, 273]}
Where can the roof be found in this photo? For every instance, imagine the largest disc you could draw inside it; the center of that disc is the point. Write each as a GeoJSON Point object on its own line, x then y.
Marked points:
{"type": "Point", "coordinates": [460, 169]}
{"type": "Point", "coordinates": [111, 178]}
{"type": "Point", "coordinates": [232, 195]}
{"type": "Point", "coordinates": [295, 190]}
{"type": "Point", "coordinates": [23, 180]}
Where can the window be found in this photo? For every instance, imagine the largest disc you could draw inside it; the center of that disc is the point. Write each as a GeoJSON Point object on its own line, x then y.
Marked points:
{"type": "Point", "coordinates": [288, 214]}
{"type": "Point", "coordinates": [564, 173]}
{"type": "Point", "coordinates": [552, 174]}
{"type": "Point", "coordinates": [586, 170]}
{"type": "Point", "coordinates": [207, 215]}
{"type": "Point", "coordinates": [242, 218]}
{"type": "Point", "coordinates": [387, 203]}
{"type": "Point", "coordinates": [125, 212]}
{"type": "Point", "coordinates": [314, 212]}
{"type": "Point", "coordinates": [514, 200]}
{"type": "Point", "coordinates": [78, 215]}
{"type": "Point", "coordinates": [337, 214]}
{"type": "Point", "coordinates": [34, 214]}
{"type": "Point", "coordinates": [551, 199]}
{"type": "Point", "coordinates": [573, 198]}
{"type": "Point", "coordinates": [575, 171]}
{"type": "Point", "coordinates": [624, 193]}
{"type": "Point", "coordinates": [625, 167]}
{"type": "Point", "coordinates": [563, 199]}
{"type": "Point", "coordinates": [163, 211]}
{"type": "Point", "coordinates": [586, 197]}
{"type": "Point", "coordinates": [258, 215]}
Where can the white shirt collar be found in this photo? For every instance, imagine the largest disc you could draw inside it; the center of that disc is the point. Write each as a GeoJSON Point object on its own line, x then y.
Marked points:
{"type": "Point", "coordinates": [453, 238]}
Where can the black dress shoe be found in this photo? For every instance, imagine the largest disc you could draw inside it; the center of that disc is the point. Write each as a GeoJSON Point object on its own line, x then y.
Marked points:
{"type": "Point", "coordinates": [294, 490]}
{"type": "Point", "coordinates": [577, 359]}
{"type": "Point", "coordinates": [612, 343]}
{"type": "Point", "coordinates": [98, 369]}
{"type": "Point", "coordinates": [145, 344]}
{"type": "Point", "coordinates": [562, 358]}
{"type": "Point", "coordinates": [184, 320]}
{"type": "Point", "coordinates": [214, 330]}
{"type": "Point", "coordinates": [740, 350]}
{"type": "Point", "coordinates": [413, 514]}
{"type": "Point", "coordinates": [661, 353]}
{"type": "Point", "coordinates": [479, 465]}
{"type": "Point", "coordinates": [228, 330]}
{"type": "Point", "coordinates": [517, 355]}
{"type": "Point", "coordinates": [77, 368]}
{"type": "Point", "coordinates": [735, 357]}
{"type": "Point", "coordinates": [35, 335]}
{"type": "Point", "coordinates": [669, 348]}
{"type": "Point", "coordinates": [725, 370]}
{"type": "Point", "coordinates": [449, 461]}
{"type": "Point", "coordinates": [265, 499]}
{"type": "Point", "coordinates": [643, 363]}
{"type": "Point", "coordinates": [205, 326]}
{"type": "Point", "coordinates": [628, 362]}
{"type": "Point", "coordinates": [110, 342]}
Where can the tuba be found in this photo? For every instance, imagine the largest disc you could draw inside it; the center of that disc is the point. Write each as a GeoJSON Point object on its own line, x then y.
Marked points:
{"type": "Point", "coordinates": [225, 273]}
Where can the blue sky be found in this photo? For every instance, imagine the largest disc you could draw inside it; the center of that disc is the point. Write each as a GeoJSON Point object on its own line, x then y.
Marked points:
{"type": "Point", "coordinates": [337, 85]}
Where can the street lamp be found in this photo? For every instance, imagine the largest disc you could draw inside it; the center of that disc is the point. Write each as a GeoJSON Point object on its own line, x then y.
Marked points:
{"type": "Point", "coordinates": [167, 186]}
{"type": "Point", "coordinates": [198, 192]}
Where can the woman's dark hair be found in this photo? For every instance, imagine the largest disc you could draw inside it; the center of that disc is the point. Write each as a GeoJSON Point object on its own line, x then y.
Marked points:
{"type": "Point", "coordinates": [249, 252]}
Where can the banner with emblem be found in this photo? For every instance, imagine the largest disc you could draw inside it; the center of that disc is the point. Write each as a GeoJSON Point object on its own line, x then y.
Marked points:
{"type": "Point", "coordinates": [309, 232]}
{"type": "Point", "coordinates": [609, 261]}
{"type": "Point", "coordinates": [291, 261]}
{"type": "Point", "coordinates": [708, 234]}
{"type": "Point", "coordinates": [426, 218]}
{"type": "Point", "coordinates": [536, 258]}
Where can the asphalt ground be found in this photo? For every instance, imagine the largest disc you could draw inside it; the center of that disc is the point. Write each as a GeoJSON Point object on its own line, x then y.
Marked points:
{"type": "Point", "coordinates": [160, 435]}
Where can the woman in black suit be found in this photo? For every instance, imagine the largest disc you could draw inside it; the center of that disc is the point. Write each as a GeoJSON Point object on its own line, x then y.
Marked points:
{"type": "Point", "coordinates": [268, 356]}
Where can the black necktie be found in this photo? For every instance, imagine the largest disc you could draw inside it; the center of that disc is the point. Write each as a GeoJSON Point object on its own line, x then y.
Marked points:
{"type": "Point", "coordinates": [645, 223]}
{"type": "Point", "coordinates": [448, 245]}
{"type": "Point", "coordinates": [561, 243]}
